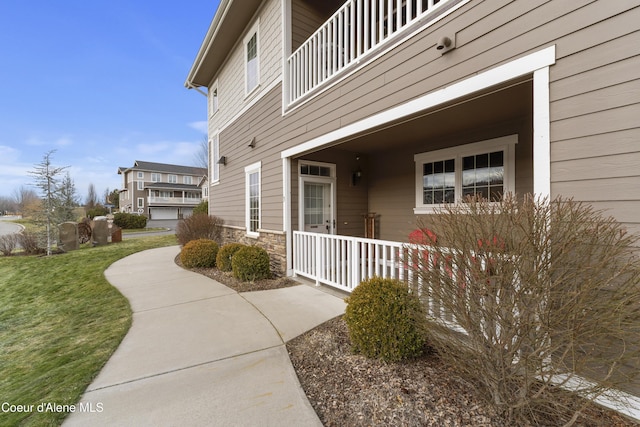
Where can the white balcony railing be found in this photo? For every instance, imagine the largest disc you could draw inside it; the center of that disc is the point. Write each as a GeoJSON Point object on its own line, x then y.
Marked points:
{"type": "Point", "coordinates": [173, 200]}
{"type": "Point", "coordinates": [356, 29]}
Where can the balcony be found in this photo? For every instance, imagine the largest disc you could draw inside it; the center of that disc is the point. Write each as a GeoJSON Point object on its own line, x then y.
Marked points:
{"type": "Point", "coordinates": [163, 201]}
{"type": "Point", "coordinates": [355, 30]}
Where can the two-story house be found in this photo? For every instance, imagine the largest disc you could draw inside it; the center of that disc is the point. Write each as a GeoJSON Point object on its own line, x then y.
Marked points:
{"type": "Point", "coordinates": [334, 121]}
{"type": "Point", "coordinates": [162, 191]}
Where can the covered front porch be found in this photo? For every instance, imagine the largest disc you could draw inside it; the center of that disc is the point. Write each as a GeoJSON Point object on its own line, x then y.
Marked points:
{"type": "Point", "coordinates": [353, 205]}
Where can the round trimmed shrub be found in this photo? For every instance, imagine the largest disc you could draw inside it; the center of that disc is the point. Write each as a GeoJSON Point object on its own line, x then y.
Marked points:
{"type": "Point", "coordinates": [225, 254]}
{"type": "Point", "coordinates": [385, 321]}
{"type": "Point", "coordinates": [251, 263]}
{"type": "Point", "coordinates": [199, 253]}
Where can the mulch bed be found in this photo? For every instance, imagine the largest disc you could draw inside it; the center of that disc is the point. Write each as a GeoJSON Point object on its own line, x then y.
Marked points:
{"type": "Point", "coordinates": [227, 279]}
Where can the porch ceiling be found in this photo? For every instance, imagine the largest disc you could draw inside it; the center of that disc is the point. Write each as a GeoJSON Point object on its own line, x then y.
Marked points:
{"type": "Point", "coordinates": [498, 106]}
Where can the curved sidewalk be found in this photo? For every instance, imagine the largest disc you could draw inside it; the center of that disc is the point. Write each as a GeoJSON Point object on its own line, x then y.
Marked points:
{"type": "Point", "coordinates": [199, 353]}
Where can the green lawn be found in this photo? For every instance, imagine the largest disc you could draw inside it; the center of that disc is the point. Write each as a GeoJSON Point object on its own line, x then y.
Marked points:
{"type": "Point", "coordinates": [60, 321]}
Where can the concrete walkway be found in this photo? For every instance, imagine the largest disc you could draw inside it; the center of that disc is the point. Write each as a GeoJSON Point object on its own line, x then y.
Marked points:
{"type": "Point", "coordinates": [199, 353]}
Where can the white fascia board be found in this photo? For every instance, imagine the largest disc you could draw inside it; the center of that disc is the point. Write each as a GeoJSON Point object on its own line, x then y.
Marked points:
{"type": "Point", "coordinates": [484, 80]}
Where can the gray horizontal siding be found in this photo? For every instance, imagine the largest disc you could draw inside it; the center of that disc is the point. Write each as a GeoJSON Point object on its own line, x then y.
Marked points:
{"type": "Point", "coordinates": [594, 89]}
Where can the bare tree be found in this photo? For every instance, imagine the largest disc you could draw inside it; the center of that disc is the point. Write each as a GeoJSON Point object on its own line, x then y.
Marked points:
{"type": "Point", "coordinates": [92, 197]}
{"type": "Point", "coordinates": [7, 205]}
{"type": "Point", "coordinates": [23, 198]}
{"type": "Point", "coordinates": [46, 179]}
{"type": "Point", "coordinates": [201, 156]}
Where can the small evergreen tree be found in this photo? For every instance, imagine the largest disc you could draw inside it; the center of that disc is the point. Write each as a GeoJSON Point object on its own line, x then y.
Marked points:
{"type": "Point", "coordinates": [68, 200]}
{"type": "Point", "coordinates": [46, 178]}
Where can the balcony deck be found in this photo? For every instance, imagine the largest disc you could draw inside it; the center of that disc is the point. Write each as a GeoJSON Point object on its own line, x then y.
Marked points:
{"type": "Point", "coordinates": [354, 31]}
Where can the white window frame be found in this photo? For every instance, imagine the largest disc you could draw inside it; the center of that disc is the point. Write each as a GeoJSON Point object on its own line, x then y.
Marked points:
{"type": "Point", "coordinates": [214, 147]}
{"type": "Point", "coordinates": [172, 179]}
{"type": "Point", "coordinates": [255, 31]}
{"type": "Point", "coordinates": [140, 175]}
{"type": "Point", "coordinates": [248, 171]}
{"type": "Point", "coordinates": [156, 177]}
{"type": "Point", "coordinates": [140, 203]}
{"type": "Point", "coordinates": [187, 179]}
{"type": "Point", "coordinates": [214, 99]}
{"type": "Point", "coordinates": [140, 185]}
{"type": "Point", "coordinates": [507, 144]}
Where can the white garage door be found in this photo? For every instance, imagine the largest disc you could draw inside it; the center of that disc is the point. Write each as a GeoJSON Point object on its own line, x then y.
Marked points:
{"type": "Point", "coordinates": [164, 213]}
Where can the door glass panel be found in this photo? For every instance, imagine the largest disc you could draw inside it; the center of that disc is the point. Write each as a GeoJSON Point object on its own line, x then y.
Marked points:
{"type": "Point", "coordinates": [317, 207]}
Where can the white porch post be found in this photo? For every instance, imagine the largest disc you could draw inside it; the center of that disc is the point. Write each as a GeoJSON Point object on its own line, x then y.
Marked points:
{"type": "Point", "coordinates": [541, 134]}
{"type": "Point", "coordinates": [286, 212]}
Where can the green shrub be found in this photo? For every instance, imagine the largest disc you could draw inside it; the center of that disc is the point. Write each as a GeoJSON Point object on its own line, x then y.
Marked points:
{"type": "Point", "coordinates": [385, 320]}
{"type": "Point", "coordinates": [199, 253]}
{"type": "Point", "coordinates": [225, 254]}
{"type": "Point", "coordinates": [251, 263]}
{"type": "Point", "coordinates": [98, 210]}
{"type": "Point", "coordinates": [129, 220]}
{"type": "Point", "coordinates": [199, 226]}
{"type": "Point", "coordinates": [202, 208]}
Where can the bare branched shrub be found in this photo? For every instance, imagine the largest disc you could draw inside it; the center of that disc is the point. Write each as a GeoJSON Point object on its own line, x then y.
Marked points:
{"type": "Point", "coordinates": [531, 298]}
{"type": "Point", "coordinates": [199, 226]}
{"type": "Point", "coordinates": [8, 243]}
{"type": "Point", "coordinates": [32, 243]}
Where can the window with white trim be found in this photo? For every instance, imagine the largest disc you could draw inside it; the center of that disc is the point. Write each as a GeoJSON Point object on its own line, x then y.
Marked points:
{"type": "Point", "coordinates": [187, 180]}
{"type": "Point", "coordinates": [173, 179]}
{"type": "Point", "coordinates": [140, 175]}
{"type": "Point", "coordinates": [156, 177]}
{"type": "Point", "coordinates": [140, 185]}
{"type": "Point", "coordinates": [252, 62]}
{"type": "Point", "coordinates": [215, 156]}
{"type": "Point", "coordinates": [140, 202]}
{"type": "Point", "coordinates": [252, 198]}
{"type": "Point", "coordinates": [485, 169]}
{"type": "Point", "coordinates": [213, 99]}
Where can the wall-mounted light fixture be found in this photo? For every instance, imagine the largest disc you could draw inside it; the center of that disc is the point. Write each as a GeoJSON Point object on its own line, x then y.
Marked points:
{"type": "Point", "coordinates": [252, 143]}
{"type": "Point", "coordinates": [222, 160]}
{"type": "Point", "coordinates": [445, 44]}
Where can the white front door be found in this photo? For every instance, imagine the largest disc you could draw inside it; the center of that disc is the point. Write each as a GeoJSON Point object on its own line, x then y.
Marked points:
{"type": "Point", "coordinates": [317, 197]}
{"type": "Point", "coordinates": [317, 207]}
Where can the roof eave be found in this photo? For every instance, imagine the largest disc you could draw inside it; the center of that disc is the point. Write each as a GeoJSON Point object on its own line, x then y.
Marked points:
{"type": "Point", "coordinates": [228, 24]}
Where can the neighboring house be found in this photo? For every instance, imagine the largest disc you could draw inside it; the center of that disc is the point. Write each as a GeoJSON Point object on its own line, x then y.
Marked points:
{"type": "Point", "coordinates": [162, 191]}
{"type": "Point", "coordinates": [325, 113]}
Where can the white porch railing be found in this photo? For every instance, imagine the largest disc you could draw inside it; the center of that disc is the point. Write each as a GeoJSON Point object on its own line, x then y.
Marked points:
{"type": "Point", "coordinates": [173, 200]}
{"type": "Point", "coordinates": [356, 29]}
{"type": "Point", "coordinates": [343, 262]}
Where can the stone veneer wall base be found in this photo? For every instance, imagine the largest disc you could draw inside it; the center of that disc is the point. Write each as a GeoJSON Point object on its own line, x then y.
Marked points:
{"type": "Point", "coordinates": [273, 243]}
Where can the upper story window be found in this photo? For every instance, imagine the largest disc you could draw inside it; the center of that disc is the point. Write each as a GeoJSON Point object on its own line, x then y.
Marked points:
{"type": "Point", "coordinates": [252, 63]}
{"type": "Point", "coordinates": [485, 169]}
{"type": "Point", "coordinates": [213, 99]}
{"type": "Point", "coordinates": [140, 175]}
{"type": "Point", "coordinates": [156, 177]}
{"type": "Point", "coordinates": [173, 179]}
{"type": "Point", "coordinates": [187, 180]}
{"type": "Point", "coordinates": [140, 185]}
